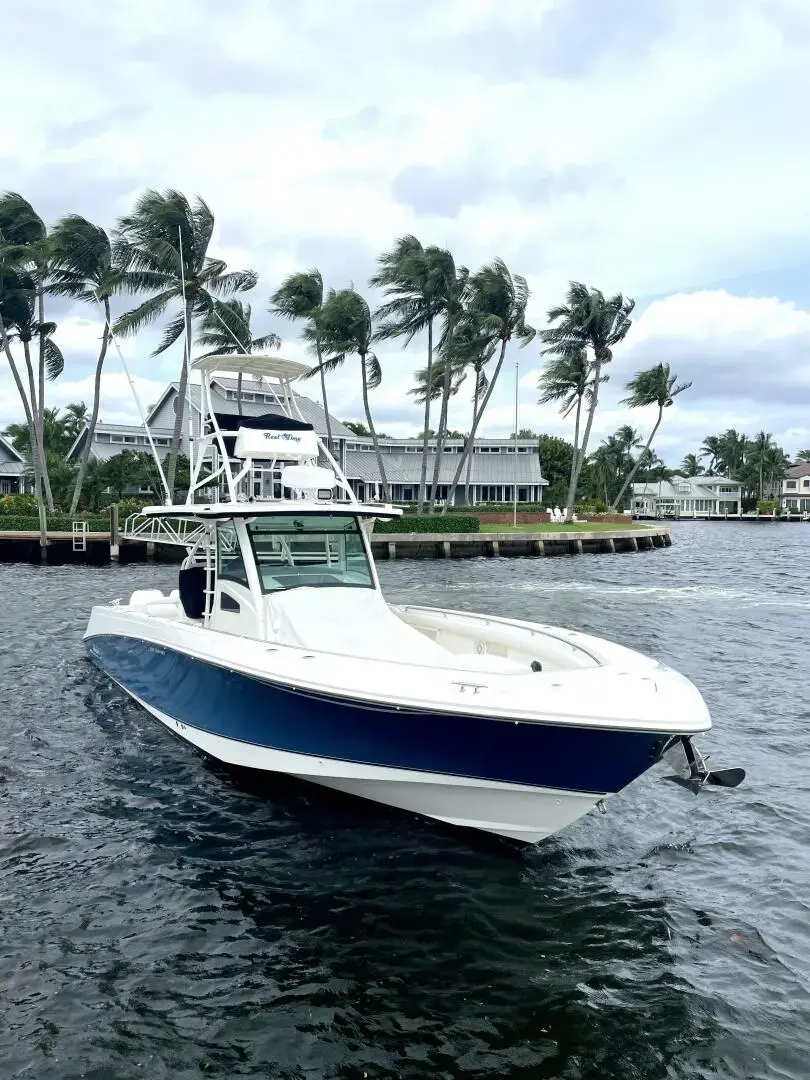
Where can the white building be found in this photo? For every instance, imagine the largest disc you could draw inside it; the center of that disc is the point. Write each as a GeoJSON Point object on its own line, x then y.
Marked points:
{"type": "Point", "coordinates": [498, 465]}
{"type": "Point", "coordinates": [796, 488]}
{"type": "Point", "coordinates": [687, 496]}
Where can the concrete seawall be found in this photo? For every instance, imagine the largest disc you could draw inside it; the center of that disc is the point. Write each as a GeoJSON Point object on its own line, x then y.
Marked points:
{"type": "Point", "coordinates": [24, 546]}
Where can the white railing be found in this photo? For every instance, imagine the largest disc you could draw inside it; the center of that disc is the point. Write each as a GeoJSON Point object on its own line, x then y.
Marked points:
{"type": "Point", "coordinates": [183, 532]}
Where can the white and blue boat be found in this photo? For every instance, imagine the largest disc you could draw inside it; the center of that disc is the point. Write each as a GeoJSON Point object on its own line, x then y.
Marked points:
{"type": "Point", "coordinates": [278, 652]}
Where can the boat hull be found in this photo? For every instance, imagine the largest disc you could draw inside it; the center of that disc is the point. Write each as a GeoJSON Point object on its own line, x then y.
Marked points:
{"type": "Point", "coordinates": [524, 780]}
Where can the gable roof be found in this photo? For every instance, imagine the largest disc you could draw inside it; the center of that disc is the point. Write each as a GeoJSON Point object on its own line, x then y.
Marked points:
{"type": "Point", "coordinates": [801, 468]}
{"type": "Point", "coordinates": [8, 447]}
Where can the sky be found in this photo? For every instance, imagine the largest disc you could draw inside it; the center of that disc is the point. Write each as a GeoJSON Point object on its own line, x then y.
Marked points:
{"type": "Point", "coordinates": [657, 148]}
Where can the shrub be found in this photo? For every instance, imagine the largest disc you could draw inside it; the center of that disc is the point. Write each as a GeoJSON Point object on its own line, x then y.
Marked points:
{"type": "Point", "coordinates": [18, 504]}
{"type": "Point", "coordinates": [767, 506]}
{"type": "Point", "coordinates": [449, 523]}
{"type": "Point", "coordinates": [56, 523]}
{"type": "Point", "coordinates": [591, 506]}
{"type": "Point", "coordinates": [127, 507]}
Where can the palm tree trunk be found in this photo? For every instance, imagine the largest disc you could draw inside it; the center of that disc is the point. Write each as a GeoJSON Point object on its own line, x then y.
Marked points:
{"type": "Point", "coordinates": [572, 493]}
{"type": "Point", "coordinates": [91, 427]}
{"type": "Point", "coordinates": [37, 450]}
{"type": "Point", "coordinates": [471, 440]}
{"type": "Point", "coordinates": [442, 430]}
{"type": "Point", "coordinates": [324, 399]}
{"type": "Point", "coordinates": [373, 430]}
{"type": "Point", "coordinates": [177, 433]}
{"type": "Point", "coordinates": [239, 395]}
{"type": "Point", "coordinates": [575, 458]}
{"type": "Point", "coordinates": [470, 455]}
{"type": "Point", "coordinates": [46, 481]}
{"type": "Point", "coordinates": [32, 431]}
{"type": "Point", "coordinates": [642, 456]}
{"type": "Point", "coordinates": [425, 429]}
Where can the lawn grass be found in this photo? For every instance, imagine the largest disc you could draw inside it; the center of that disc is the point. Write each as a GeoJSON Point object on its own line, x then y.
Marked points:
{"type": "Point", "coordinates": [551, 526]}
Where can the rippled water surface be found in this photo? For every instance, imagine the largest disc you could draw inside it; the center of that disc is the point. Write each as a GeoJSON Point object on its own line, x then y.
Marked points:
{"type": "Point", "coordinates": [161, 917]}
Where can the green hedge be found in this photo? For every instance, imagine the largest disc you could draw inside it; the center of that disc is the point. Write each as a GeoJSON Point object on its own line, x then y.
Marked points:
{"type": "Point", "coordinates": [449, 523]}
{"type": "Point", "coordinates": [56, 523]}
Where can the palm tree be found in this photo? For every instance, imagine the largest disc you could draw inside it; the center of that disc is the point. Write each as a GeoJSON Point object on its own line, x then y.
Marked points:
{"type": "Point", "coordinates": [496, 305]}
{"type": "Point", "coordinates": [732, 449]}
{"type": "Point", "coordinates": [343, 326]}
{"type": "Point", "coordinates": [607, 462]}
{"type": "Point", "coordinates": [225, 328]}
{"type": "Point", "coordinates": [416, 282]}
{"type": "Point", "coordinates": [691, 466]}
{"type": "Point", "coordinates": [655, 386]}
{"type": "Point", "coordinates": [567, 379]}
{"type": "Point", "coordinates": [83, 268]}
{"type": "Point", "coordinates": [165, 241]}
{"type": "Point", "coordinates": [803, 455]}
{"type": "Point", "coordinates": [24, 243]}
{"type": "Point", "coordinates": [587, 320]}
{"type": "Point", "coordinates": [712, 448]}
{"type": "Point", "coordinates": [758, 452]}
{"type": "Point", "coordinates": [300, 296]}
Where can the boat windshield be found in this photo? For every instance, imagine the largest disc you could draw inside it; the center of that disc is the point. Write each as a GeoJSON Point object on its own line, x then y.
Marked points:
{"type": "Point", "coordinates": [313, 550]}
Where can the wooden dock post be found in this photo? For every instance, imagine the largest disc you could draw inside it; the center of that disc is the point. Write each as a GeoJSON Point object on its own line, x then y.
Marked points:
{"type": "Point", "coordinates": [495, 548]}
{"type": "Point", "coordinates": [392, 549]}
{"type": "Point", "coordinates": [150, 550]}
{"type": "Point", "coordinates": [611, 545]}
{"type": "Point", "coordinates": [538, 547]}
{"type": "Point", "coordinates": [446, 549]}
{"type": "Point", "coordinates": [115, 550]}
{"type": "Point", "coordinates": [578, 545]}
{"type": "Point", "coordinates": [633, 543]}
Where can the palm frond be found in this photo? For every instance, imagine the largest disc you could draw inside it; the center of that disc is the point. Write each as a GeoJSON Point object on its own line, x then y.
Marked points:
{"type": "Point", "coordinates": [133, 321]}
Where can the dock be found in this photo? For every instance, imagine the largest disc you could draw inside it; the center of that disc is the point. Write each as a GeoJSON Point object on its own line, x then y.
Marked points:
{"type": "Point", "coordinates": [100, 548]}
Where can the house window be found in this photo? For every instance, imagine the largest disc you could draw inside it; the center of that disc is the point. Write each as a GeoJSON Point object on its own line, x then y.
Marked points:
{"type": "Point", "coordinates": [806, 482]}
{"type": "Point", "coordinates": [683, 489]}
{"type": "Point", "coordinates": [791, 484]}
{"type": "Point", "coordinates": [727, 490]}
{"type": "Point", "coordinates": [116, 438]}
{"type": "Point", "coordinates": [130, 439]}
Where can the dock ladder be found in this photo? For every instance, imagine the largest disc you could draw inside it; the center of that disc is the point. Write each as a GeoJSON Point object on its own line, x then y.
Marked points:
{"type": "Point", "coordinates": [80, 536]}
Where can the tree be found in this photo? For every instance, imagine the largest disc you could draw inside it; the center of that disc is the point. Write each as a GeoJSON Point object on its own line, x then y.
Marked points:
{"type": "Point", "coordinates": [712, 449]}
{"type": "Point", "coordinates": [803, 455]}
{"type": "Point", "coordinates": [525, 433]}
{"type": "Point", "coordinates": [343, 326]}
{"type": "Point", "coordinates": [691, 466]}
{"type": "Point", "coordinates": [415, 281]}
{"type": "Point", "coordinates": [731, 451]}
{"type": "Point", "coordinates": [164, 241]}
{"type": "Point", "coordinates": [226, 330]}
{"type": "Point", "coordinates": [655, 386]}
{"type": "Point", "coordinates": [567, 379]}
{"type": "Point", "coordinates": [300, 296]}
{"type": "Point", "coordinates": [587, 320]}
{"type": "Point", "coordinates": [758, 452]}
{"type": "Point", "coordinates": [83, 268]}
{"type": "Point", "coordinates": [496, 306]}
{"type": "Point", "coordinates": [25, 247]}
{"type": "Point", "coordinates": [556, 460]}
{"type": "Point", "coordinates": [357, 428]}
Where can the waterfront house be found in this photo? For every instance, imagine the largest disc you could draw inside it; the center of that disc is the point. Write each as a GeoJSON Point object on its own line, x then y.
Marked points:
{"type": "Point", "coordinates": [12, 468]}
{"type": "Point", "coordinates": [498, 465]}
{"type": "Point", "coordinates": [796, 488]}
{"type": "Point", "coordinates": [687, 496]}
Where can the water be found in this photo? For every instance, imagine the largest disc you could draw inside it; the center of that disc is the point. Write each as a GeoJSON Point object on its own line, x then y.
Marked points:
{"type": "Point", "coordinates": [160, 917]}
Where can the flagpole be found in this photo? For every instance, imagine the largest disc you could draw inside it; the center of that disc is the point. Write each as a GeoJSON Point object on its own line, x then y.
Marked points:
{"type": "Point", "coordinates": [515, 476]}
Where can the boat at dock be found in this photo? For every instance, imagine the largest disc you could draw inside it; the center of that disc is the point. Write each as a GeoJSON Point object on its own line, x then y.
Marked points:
{"type": "Point", "coordinates": [278, 651]}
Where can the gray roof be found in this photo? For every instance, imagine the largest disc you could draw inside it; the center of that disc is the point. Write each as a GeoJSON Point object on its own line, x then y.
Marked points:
{"type": "Point", "coordinates": [700, 487]}
{"type": "Point", "coordinates": [12, 468]}
{"type": "Point", "coordinates": [311, 410]}
{"type": "Point", "coordinates": [407, 468]}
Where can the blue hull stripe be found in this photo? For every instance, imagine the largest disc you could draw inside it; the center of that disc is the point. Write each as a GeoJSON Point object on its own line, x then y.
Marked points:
{"type": "Point", "coordinates": [250, 710]}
